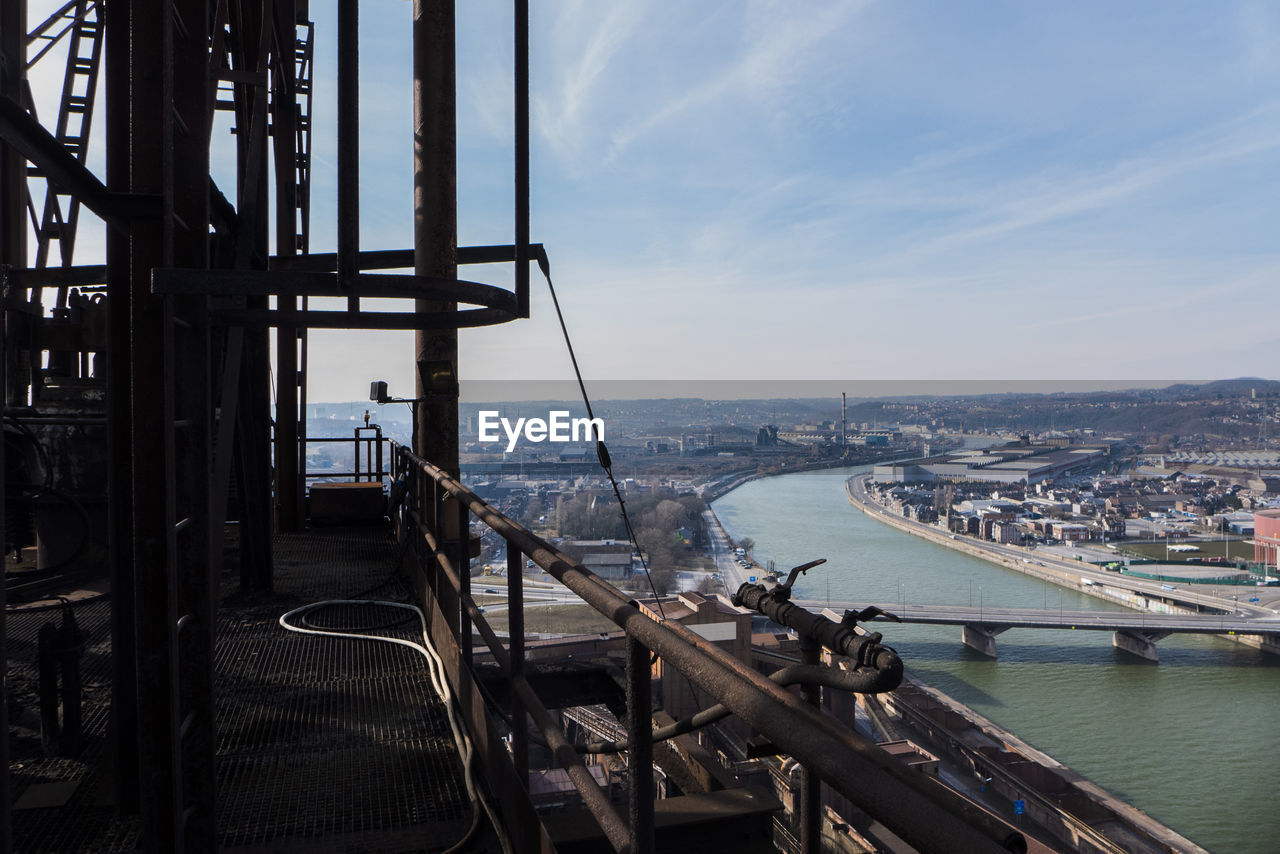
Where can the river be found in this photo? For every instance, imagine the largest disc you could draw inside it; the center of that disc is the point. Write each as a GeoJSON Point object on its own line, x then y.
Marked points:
{"type": "Point", "coordinates": [1194, 741]}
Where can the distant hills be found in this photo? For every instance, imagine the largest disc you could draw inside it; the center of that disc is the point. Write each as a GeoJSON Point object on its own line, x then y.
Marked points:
{"type": "Point", "coordinates": [1239, 409]}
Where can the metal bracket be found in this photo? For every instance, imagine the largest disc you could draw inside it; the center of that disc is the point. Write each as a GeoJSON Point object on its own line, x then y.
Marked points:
{"type": "Point", "coordinates": [783, 591]}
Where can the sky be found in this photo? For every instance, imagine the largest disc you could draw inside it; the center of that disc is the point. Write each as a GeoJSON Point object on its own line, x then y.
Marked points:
{"type": "Point", "coordinates": [771, 191]}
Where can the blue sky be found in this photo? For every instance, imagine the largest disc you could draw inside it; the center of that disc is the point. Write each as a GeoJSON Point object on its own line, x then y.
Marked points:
{"type": "Point", "coordinates": [848, 190]}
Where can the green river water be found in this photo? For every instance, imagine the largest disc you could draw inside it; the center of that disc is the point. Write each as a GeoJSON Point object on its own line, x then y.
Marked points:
{"type": "Point", "coordinates": [1194, 740]}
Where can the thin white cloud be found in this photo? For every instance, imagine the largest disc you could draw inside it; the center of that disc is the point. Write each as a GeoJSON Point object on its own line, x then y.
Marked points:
{"type": "Point", "coordinates": [560, 119]}
{"type": "Point", "coordinates": [768, 61]}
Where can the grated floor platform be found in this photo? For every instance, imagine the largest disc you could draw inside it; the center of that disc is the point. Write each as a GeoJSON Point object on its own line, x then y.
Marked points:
{"type": "Point", "coordinates": [324, 744]}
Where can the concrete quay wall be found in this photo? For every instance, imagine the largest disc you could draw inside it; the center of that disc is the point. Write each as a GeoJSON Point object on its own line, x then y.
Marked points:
{"type": "Point", "coordinates": [1082, 816]}
{"type": "Point", "coordinates": [1060, 572]}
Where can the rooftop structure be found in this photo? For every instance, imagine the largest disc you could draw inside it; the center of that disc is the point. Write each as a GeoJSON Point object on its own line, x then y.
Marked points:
{"type": "Point", "coordinates": [1012, 463]}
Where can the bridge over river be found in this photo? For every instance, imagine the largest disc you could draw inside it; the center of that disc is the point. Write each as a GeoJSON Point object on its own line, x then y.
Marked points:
{"type": "Point", "coordinates": [1134, 632]}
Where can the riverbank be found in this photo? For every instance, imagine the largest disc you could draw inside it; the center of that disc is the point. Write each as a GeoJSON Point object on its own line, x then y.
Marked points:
{"type": "Point", "coordinates": [729, 483]}
{"type": "Point", "coordinates": [1077, 812]}
{"type": "Point", "coordinates": [1081, 577]}
{"type": "Point", "coordinates": [1081, 815]}
{"type": "Point", "coordinates": [1132, 727]}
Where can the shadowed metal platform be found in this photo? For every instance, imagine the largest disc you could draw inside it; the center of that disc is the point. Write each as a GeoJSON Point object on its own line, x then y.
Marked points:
{"type": "Point", "coordinates": [323, 744]}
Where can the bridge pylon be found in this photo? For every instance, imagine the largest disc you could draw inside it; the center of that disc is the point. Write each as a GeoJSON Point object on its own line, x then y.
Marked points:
{"type": "Point", "coordinates": [981, 638]}
{"type": "Point", "coordinates": [1138, 642]}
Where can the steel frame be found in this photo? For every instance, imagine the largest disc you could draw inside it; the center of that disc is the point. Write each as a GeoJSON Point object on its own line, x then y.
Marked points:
{"type": "Point", "coordinates": [189, 280]}
{"type": "Point", "coordinates": [917, 808]}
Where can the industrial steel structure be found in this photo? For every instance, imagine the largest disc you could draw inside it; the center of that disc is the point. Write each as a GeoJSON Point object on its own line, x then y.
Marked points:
{"type": "Point", "coordinates": [138, 410]}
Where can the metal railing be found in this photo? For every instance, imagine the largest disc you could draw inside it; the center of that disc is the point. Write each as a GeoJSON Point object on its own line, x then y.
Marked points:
{"type": "Point", "coordinates": [370, 455]}
{"type": "Point", "coordinates": [433, 512]}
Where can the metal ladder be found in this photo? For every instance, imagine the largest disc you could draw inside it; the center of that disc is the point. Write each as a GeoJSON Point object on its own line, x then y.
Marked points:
{"type": "Point", "coordinates": [75, 115]}
{"type": "Point", "coordinates": [175, 592]}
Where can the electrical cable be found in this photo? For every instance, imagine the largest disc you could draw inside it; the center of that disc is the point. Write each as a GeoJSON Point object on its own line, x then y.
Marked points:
{"type": "Point", "coordinates": [602, 452]}
{"type": "Point", "coordinates": [439, 681]}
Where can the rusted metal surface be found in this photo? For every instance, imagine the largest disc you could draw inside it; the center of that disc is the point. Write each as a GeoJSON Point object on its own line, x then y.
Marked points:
{"type": "Point", "coordinates": [921, 811]}
{"type": "Point", "coordinates": [348, 146]}
{"type": "Point", "coordinates": [435, 220]}
{"type": "Point", "coordinates": [810, 785]}
{"type": "Point", "coordinates": [522, 154]}
{"type": "Point", "coordinates": [284, 139]}
{"type": "Point", "coordinates": [840, 638]}
{"type": "Point", "coordinates": [516, 664]}
{"type": "Point", "coordinates": [640, 734]}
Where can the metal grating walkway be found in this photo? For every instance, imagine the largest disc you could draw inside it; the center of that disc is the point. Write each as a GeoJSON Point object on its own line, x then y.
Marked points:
{"type": "Point", "coordinates": [324, 744]}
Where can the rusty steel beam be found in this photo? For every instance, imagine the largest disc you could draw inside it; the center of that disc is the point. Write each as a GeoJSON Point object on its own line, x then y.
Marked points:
{"type": "Point", "coordinates": [192, 574]}
{"type": "Point", "coordinates": [435, 221]}
{"type": "Point", "coordinates": [402, 259]}
{"type": "Point", "coordinates": [123, 766]}
{"type": "Point", "coordinates": [348, 145]}
{"type": "Point", "coordinates": [522, 153]}
{"type": "Point", "coordinates": [288, 283]}
{"type": "Point", "coordinates": [312, 319]}
{"type": "Point", "coordinates": [151, 451]}
{"type": "Point", "coordinates": [284, 137]}
{"type": "Point", "coordinates": [640, 746]}
{"type": "Point", "coordinates": [251, 38]}
{"type": "Point", "coordinates": [810, 784]}
{"type": "Point", "coordinates": [918, 809]}
{"type": "Point", "coordinates": [516, 664]}
{"type": "Point", "coordinates": [13, 254]}
{"type": "Point", "coordinates": [86, 275]}
{"type": "Point", "coordinates": [30, 138]}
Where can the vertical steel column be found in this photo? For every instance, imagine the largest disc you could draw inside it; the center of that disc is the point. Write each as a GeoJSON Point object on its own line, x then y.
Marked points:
{"type": "Point", "coordinates": [284, 133]}
{"type": "Point", "coordinates": [349, 147]}
{"type": "Point", "coordinates": [251, 29]}
{"type": "Point", "coordinates": [13, 253]}
{"type": "Point", "coordinates": [435, 523]}
{"type": "Point", "coordinates": [435, 221]}
{"type": "Point", "coordinates": [515, 633]}
{"type": "Point", "coordinates": [13, 184]}
{"type": "Point", "coordinates": [6, 843]}
{"type": "Point", "coordinates": [640, 753]}
{"type": "Point", "coordinates": [124, 700]}
{"type": "Point", "coordinates": [522, 154]}
{"type": "Point", "coordinates": [810, 792]}
{"type": "Point", "coordinates": [463, 621]}
{"type": "Point", "coordinates": [151, 451]}
{"type": "Point", "coordinates": [190, 385]}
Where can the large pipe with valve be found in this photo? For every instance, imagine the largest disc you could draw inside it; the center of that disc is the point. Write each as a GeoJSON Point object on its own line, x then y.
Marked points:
{"type": "Point", "coordinates": [865, 650]}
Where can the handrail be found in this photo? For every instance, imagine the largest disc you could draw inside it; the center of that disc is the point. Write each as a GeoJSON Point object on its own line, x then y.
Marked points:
{"type": "Point", "coordinates": [918, 809]}
{"type": "Point", "coordinates": [374, 471]}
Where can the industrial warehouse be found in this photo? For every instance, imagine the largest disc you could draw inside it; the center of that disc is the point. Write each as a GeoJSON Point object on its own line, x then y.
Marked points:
{"type": "Point", "coordinates": [1013, 463]}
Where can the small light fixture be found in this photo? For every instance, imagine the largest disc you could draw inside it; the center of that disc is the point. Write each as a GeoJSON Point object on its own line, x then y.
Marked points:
{"type": "Point", "coordinates": [378, 394]}
{"type": "Point", "coordinates": [438, 377]}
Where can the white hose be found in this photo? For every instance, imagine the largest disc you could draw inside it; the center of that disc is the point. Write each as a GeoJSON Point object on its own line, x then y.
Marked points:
{"type": "Point", "coordinates": [439, 681]}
